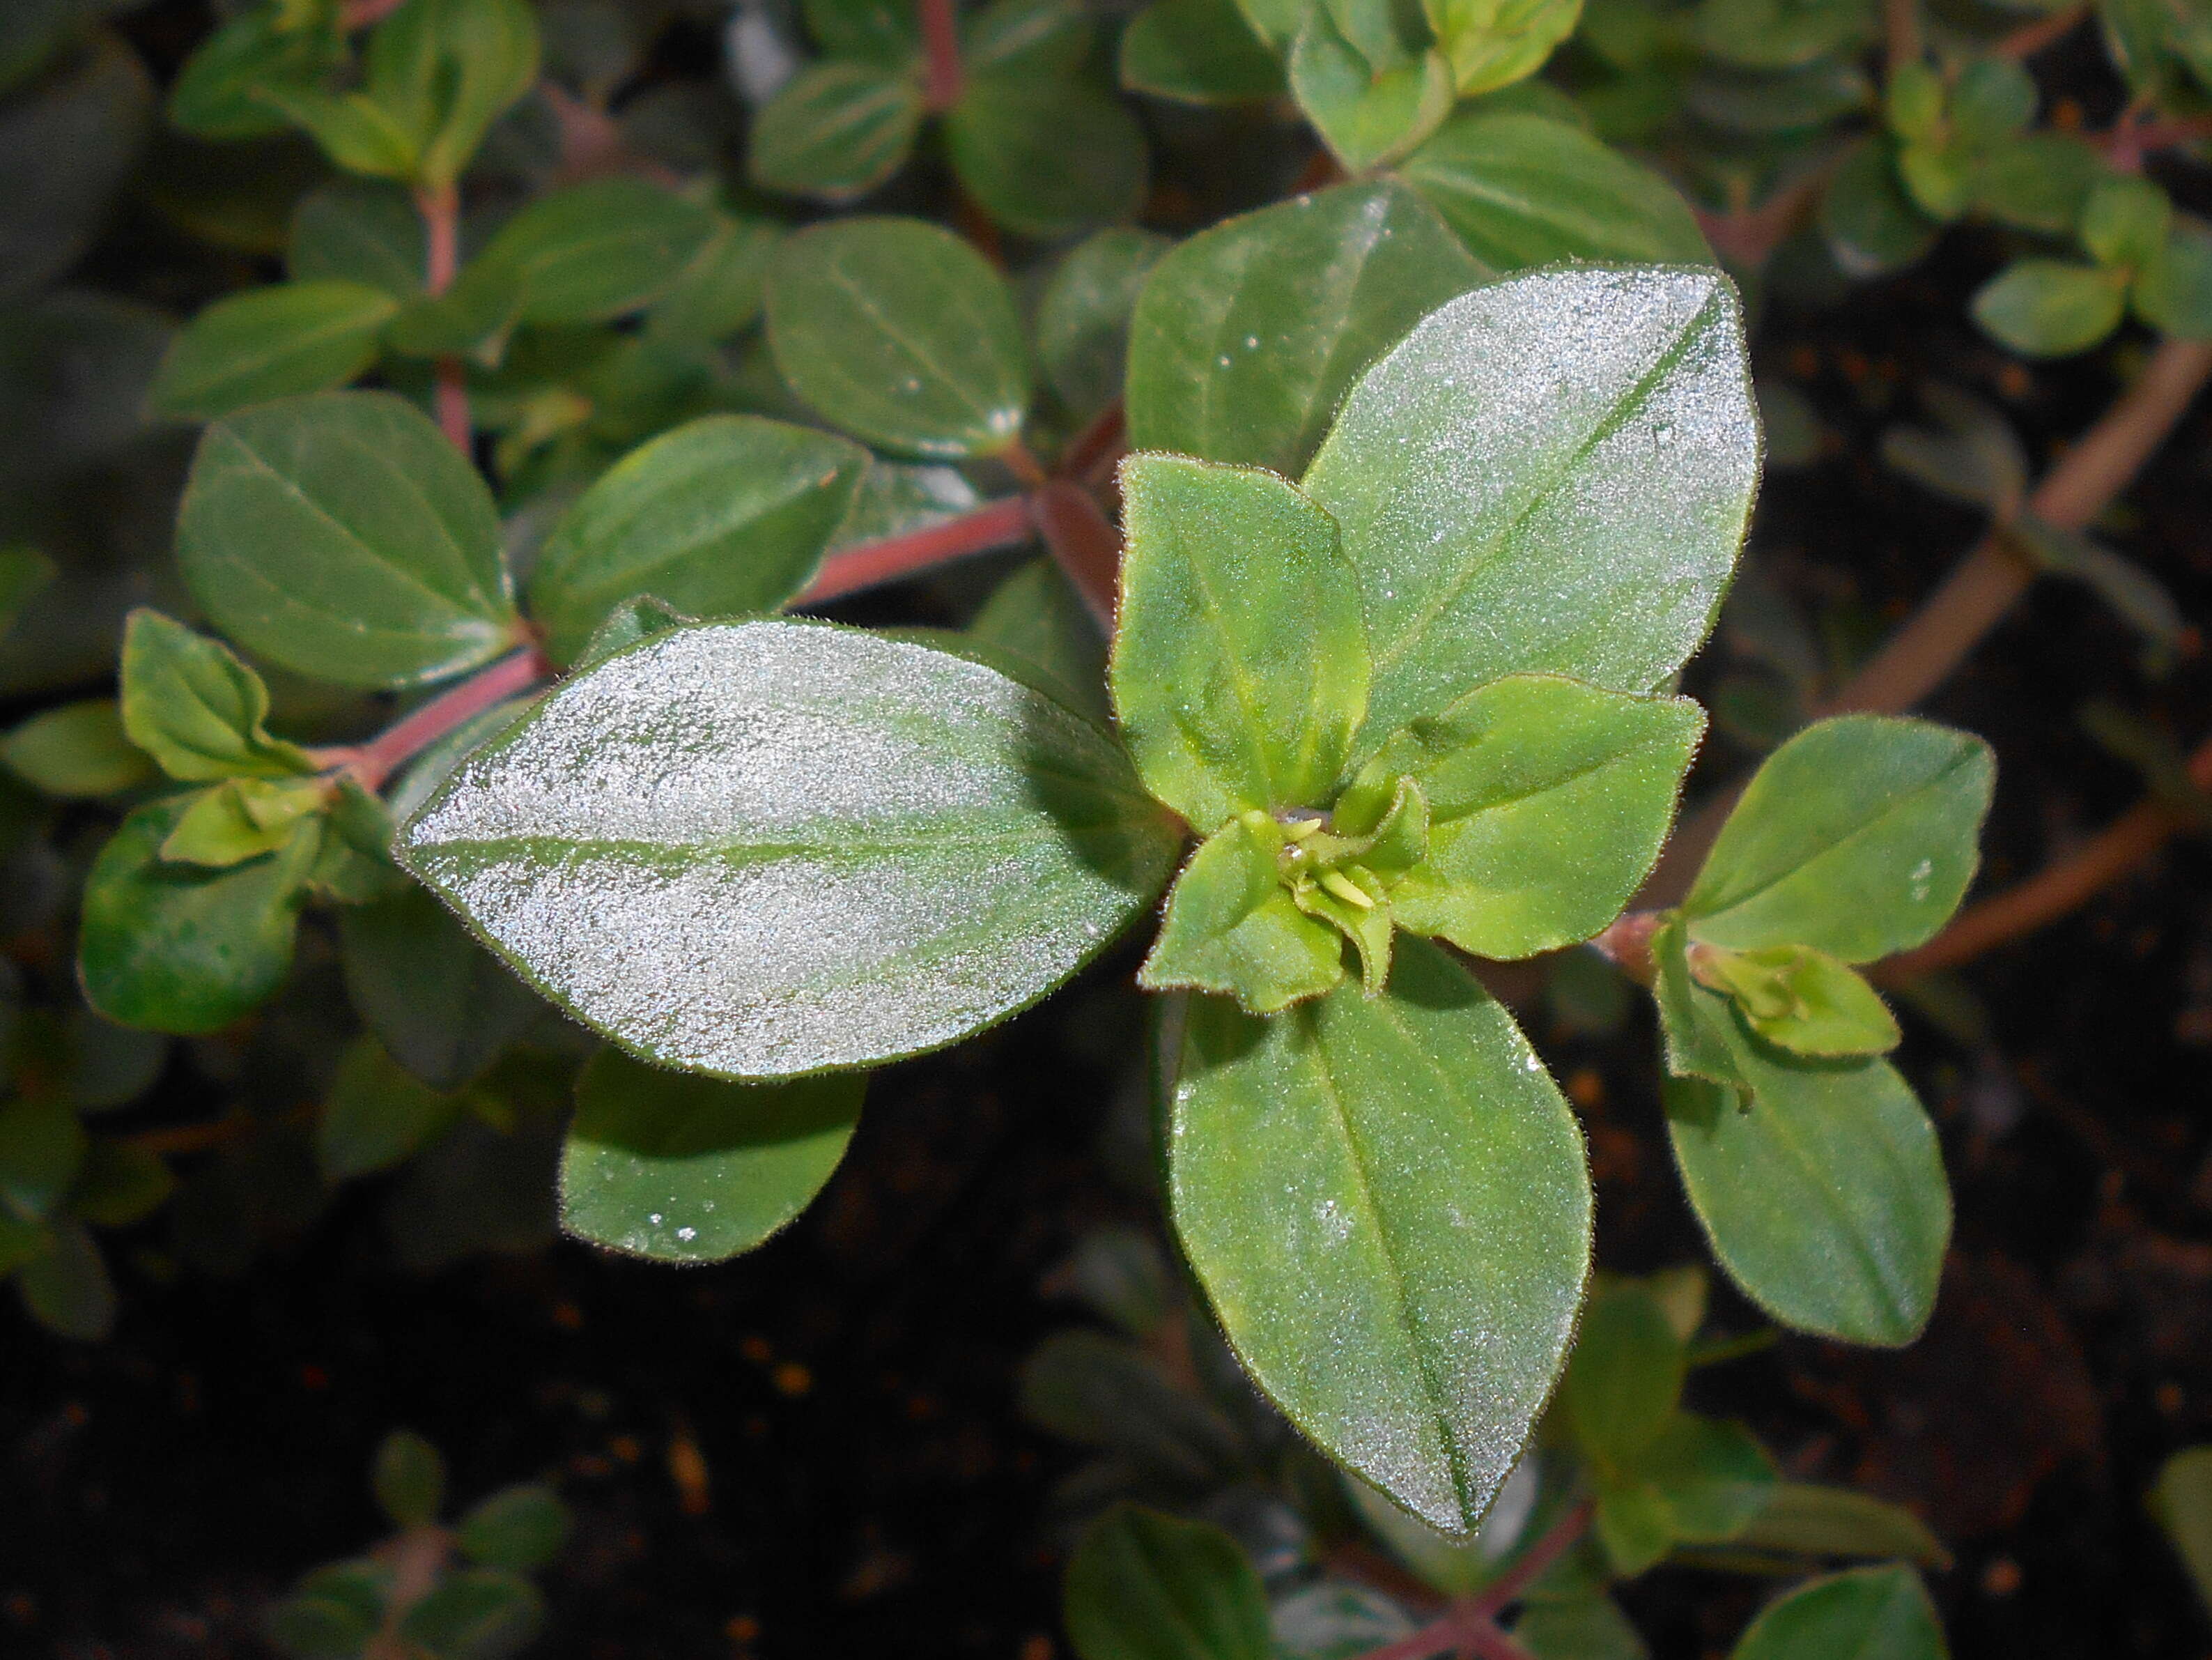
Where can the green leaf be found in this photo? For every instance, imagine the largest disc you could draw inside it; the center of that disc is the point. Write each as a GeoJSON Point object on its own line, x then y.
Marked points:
{"type": "Point", "coordinates": [1624, 1377]}
{"type": "Point", "coordinates": [76, 750]}
{"type": "Point", "coordinates": [1197, 52]}
{"type": "Point", "coordinates": [1083, 315]}
{"type": "Point", "coordinates": [175, 948]}
{"type": "Point", "coordinates": [2125, 221]}
{"type": "Point", "coordinates": [838, 130]}
{"type": "Point", "coordinates": [902, 334]}
{"type": "Point", "coordinates": [354, 230]}
{"type": "Point", "coordinates": [25, 573]}
{"type": "Point", "coordinates": [408, 1479]}
{"type": "Point", "coordinates": [2038, 181]}
{"type": "Point", "coordinates": [1248, 336]}
{"type": "Point", "coordinates": [1102, 1392]}
{"type": "Point", "coordinates": [1387, 1202]}
{"type": "Point", "coordinates": [1526, 190]}
{"type": "Point", "coordinates": [1547, 801]}
{"type": "Point", "coordinates": [597, 250]}
{"type": "Point", "coordinates": [1368, 113]}
{"type": "Point", "coordinates": [353, 130]}
{"type": "Point", "coordinates": [341, 536]}
{"type": "Point", "coordinates": [1872, 227]}
{"type": "Point", "coordinates": [1857, 837]}
{"type": "Point", "coordinates": [42, 1148]}
{"type": "Point", "coordinates": [683, 1168]}
{"type": "Point", "coordinates": [477, 1611]}
{"type": "Point", "coordinates": [1800, 999]}
{"type": "Point", "coordinates": [1822, 1193]}
{"type": "Point", "coordinates": [1046, 159]}
{"type": "Point", "coordinates": [242, 818]}
{"type": "Point", "coordinates": [1632, 1526]}
{"type": "Point", "coordinates": [443, 1006]}
{"type": "Point", "coordinates": [720, 291]}
{"type": "Point", "coordinates": [271, 343]}
{"type": "Point", "coordinates": [309, 1627]}
{"type": "Point", "coordinates": [1848, 1616]}
{"type": "Point", "coordinates": [2051, 308]}
{"type": "Point", "coordinates": [2174, 293]}
{"type": "Point", "coordinates": [1041, 39]}
{"type": "Point", "coordinates": [1240, 667]}
{"type": "Point", "coordinates": [1494, 43]}
{"type": "Point", "coordinates": [120, 1183]}
{"type": "Point", "coordinates": [1036, 616]}
{"type": "Point", "coordinates": [1808, 1520]}
{"type": "Point", "coordinates": [1587, 1627]}
{"type": "Point", "coordinates": [191, 704]}
{"type": "Point", "coordinates": [1712, 1477]}
{"type": "Point", "coordinates": [376, 1115]}
{"type": "Point", "coordinates": [446, 69]}
{"type": "Point", "coordinates": [1232, 928]}
{"type": "Point", "coordinates": [1774, 34]}
{"type": "Point", "coordinates": [218, 94]}
{"type": "Point", "coordinates": [913, 845]}
{"type": "Point", "coordinates": [881, 30]}
{"type": "Point", "coordinates": [1551, 474]}
{"type": "Point", "coordinates": [518, 1527]}
{"type": "Point", "coordinates": [1142, 1585]}
{"type": "Point", "coordinates": [66, 1288]}
{"type": "Point", "coordinates": [2181, 1500]}
{"type": "Point", "coordinates": [724, 515]}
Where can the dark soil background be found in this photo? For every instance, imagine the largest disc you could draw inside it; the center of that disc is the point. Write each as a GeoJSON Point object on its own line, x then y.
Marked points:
{"type": "Point", "coordinates": [814, 1450]}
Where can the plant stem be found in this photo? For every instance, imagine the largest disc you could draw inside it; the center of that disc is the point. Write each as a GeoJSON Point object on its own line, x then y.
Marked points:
{"type": "Point", "coordinates": [1085, 544]}
{"type": "Point", "coordinates": [360, 14]}
{"type": "Point", "coordinates": [1001, 524]}
{"type": "Point", "coordinates": [373, 762]}
{"type": "Point", "coordinates": [1018, 460]}
{"type": "Point", "coordinates": [1473, 1624]}
{"type": "Point", "coordinates": [2032, 38]}
{"type": "Point", "coordinates": [416, 1557]}
{"type": "Point", "coordinates": [1534, 1562]}
{"type": "Point", "coordinates": [441, 224]}
{"type": "Point", "coordinates": [1093, 454]}
{"type": "Point", "coordinates": [940, 39]}
{"type": "Point", "coordinates": [1901, 33]}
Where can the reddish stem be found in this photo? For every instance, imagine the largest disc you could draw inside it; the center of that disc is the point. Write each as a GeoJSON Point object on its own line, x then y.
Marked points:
{"type": "Point", "coordinates": [360, 14]}
{"type": "Point", "coordinates": [2031, 38]}
{"type": "Point", "coordinates": [373, 762]}
{"type": "Point", "coordinates": [1084, 544]}
{"type": "Point", "coordinates": [1018, 459]}
{"type": "Point", "coordinates": [441, 227]}
{"type": "Point", "coordinates": [1473, 1624]}
{"type": "Point", "coordinates": [940, 39]}
{"type": "Point", "coordinates": [1536, 1561]}
{"type": "Point", "coordinates": [1001, 524]}
{"type": "Point", "coordinates": [1097, 446]}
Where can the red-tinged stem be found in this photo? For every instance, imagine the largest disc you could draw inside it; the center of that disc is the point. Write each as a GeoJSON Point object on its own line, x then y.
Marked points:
{"type": "Point", "coordinates": [374, 761]}
{"type": "Point", "coordinates": [2031, 38]}
{"type": "Point", "coordinates": [1534, 1562]}
{"type": "Point", "coordinates": [1018, 459]}
{"type": "Point", "coordinates": [453, 404]}
{"type": "Point", "coordinates": [2125, 146]}
{"type": "Point", "coordinates": [1002, 525]}
{"type": "Point", "coordinates": [1901, 33]}
{"type": "Point", "coordinates": [1084, 544]}
{"type": "Point", "coordinates": [441, 226]}
{"type": "Point", "coordinates": [360, 14]}
{"type": "Point", "coordinates": [940, 39]}
{"type": "Point", "coordinates": [1098, 445]}
{"type": "Point", "coordinates": [1473, 1624]}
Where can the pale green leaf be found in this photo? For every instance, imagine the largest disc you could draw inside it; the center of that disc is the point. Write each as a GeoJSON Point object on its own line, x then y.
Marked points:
{"type": "Point", "coordinates": [78, 749]}
{"type": "Point", "coordinates": [1232, 927]}
{"type": "Point", "coordinates": [2051, 307]}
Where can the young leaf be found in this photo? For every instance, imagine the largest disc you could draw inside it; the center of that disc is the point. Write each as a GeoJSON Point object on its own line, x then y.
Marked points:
{"type": "Point", "coordinates": [376, 1115]}
{"type": "Point", "coordinates": [342, 537]}
{"type": "Point", "coordinates": [444, 70]}
{"type": "Point", "coordinates": [1856, 838]}
{"type": "Point", "coordinates": [176, 948]}
{"type": "Point", "coordinates": [242, 818]}
{"type": "Point", "coordinates": [1247, 337]}
{"type": "Point", "coordinates": [1799, 999]}
{"type": "Point", "coordinates": [271, 343]}
{"type": "Point", "coordinates": [1524, 190]}
{"type": "Point", "coordinates": [198, 711]}
{"type": "Point", "coordinates": [1550, 474]}
{"type": "Point", "coordinates": [1387, 1202]}
{"type": "Point", "coordinates": [902, 334]}
{"type": "Point", "coordinates": [1547, 803]}
{"type": "Point", "coordinates": [1145, 1586]}
{"type": "Point", "coordinates": [219, 93]}
{"type": "Point", "coordinates": [1232, 928]}
{"type": "Point", "coordinates": [683, 1168]}
{"type": "Point", "coordinates": [1197, 52]}
{"type": "Point", "coordinates": [911, 845]}
{"type": "Point", "coordinates": [1369, 105]}
{"type": "Point", "coordinates": [1822, 1193]}
{"type": "Point", "coordinates": [519, 1529]}
{"type": "Point", "coordinates": [1494, 43]}
{"type": "Point", "coordinates": [723, 516]}
{"type": "Point", "coordinates": [1846, 1616]}
{"type": "Point", "coordinates": [2051, 307]}
{"type": "Point", "coordinates": [836, 130]}
{"type": "Point", "coordinates": [78, 749]}
{"type": "Point", "coordinates": [1240, 665]}
{"type": "Point", "coordinates": [1046, 158]}
{"type": "Point", "coordinates": [441, 1005]}
{"type": "Point", "coordinates": [408, 1479]}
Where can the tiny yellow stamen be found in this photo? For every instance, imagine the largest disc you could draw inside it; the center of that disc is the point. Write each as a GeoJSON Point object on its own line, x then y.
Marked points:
{"type": "Point", "coordinates": [1343, 887]}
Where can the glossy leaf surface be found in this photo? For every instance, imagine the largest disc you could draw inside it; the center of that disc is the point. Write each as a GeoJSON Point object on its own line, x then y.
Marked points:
{"type": "Point", "coordinates": [1387, 1202]}
{"type": "Point", "coordinates": [723, 516]}
{"type": "Point", "coordinates": [1553, 474]}
{"type": "Point", "coordinates": [683, 1168]}
{"type": "Point", "coordinates": [342, 536]}
{"type": "Point", "coordinates": [1248, 336]}
{"type": "Point", "coordinates": [902, 334]}
{"type": "Point", "coordinates": [1240, 664]}
{"type": "Point", "coordinates": [912, 846]}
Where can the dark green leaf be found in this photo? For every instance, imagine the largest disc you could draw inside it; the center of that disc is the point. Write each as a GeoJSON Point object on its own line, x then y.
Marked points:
{"type": "Point", "coordinates": [310, 1628]}
{"type": "Point", "coordinates": [1525, 190]}
{"type": "Point", "coordinates": [42, 1146]}
{"type": "Point", "coordinates": [720, 291]}
{"type": "Point", "coordinates": [915, 847]}
{"type": "Point", "coordinates": [838, 130]}
{"type": "Point", "coordinates": [1034, 615]}
{"type": "Point", "coordinates": [76, 134]}
{"type": "Point", "coordinates": [342, 537]}
{"type": "Point", "coordinates": [218, 93]}
{"type": "Point", "coordinates": [1712, 1477]}
{"type": "Point", "coordinates": [1772, 35]}
{"type": "Point", "coordinates": [1041, 39]}
{"type": "Point", "coordinates": [408, 1479]}
{"type": "Point", "coordinates": [1145, 1586]}
{"type": "Point", "coordinates": [442, 1005]}
{"type": "Point", "coordinates": [1083, 316]}
{"type": "Point", "coordinates": [597, 250]}
{"type": "Point", "coordinates": [902, 334]}
{"type": "Point", "coordinates": [1871, 226]}
{"type": "Point", "coordinates": [76, 750]}
{"type": "Point", "coordinates": [1866, 1612]}
{"type": "Point", "coordinates": [271, 342]}
{"type": "Point", "coordinates": [177, 948]}
{"type": "Point", "coordinates": [482, 1613]}
{"type": "Point", "coordinates": [1247, 337]}
{"type": "Point", "coordinates": [1857, 837]}
{"type": "Point", "coordinates": [2038, 181]}
{"type": "Point", "coordinates": [66, 1288]}
{"type": "Point", "coordinates": [1197, 52]}
{"type": "Point", "coordinates": [683, 1168]}
{"type": "Point", "coordinates": [1387, 1202]}
{"type": "Point", "coordinates": [724, 515]}
{"type": "Point", "coordinates": [881, 30]}
{"type": "Point", "coordinates": [120, 1183]}
{"type": "Point", "coordinates": [2174, 293]}
{"type": "Point", "coordinates": [1046, 159]}
{"type": "Point", "coordinates": [1551, 474]}
{"type": "Point", "coordinates": [1102, 1392]}
{"type": "Point", "coordinates": [518, 1527]}
{"type": "Point", "coordinates": [376, 1115]}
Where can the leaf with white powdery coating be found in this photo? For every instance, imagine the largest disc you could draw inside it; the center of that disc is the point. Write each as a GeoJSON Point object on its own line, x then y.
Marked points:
{"type": "Point", "coordinates": [909, 847]}
{"type": "Point", "coordinates": [1240, 664]}
{"type": "Point", "coordinates": [724, 515]}
{"type": "Point", "coordinates": [342, 536]}
{"type": "Point", "coordinates": [1551, 474]}
{"type": "Point", "coordinates": [1388, 1202]}
{"type": "Point", "coordinates": [685, 1169]}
